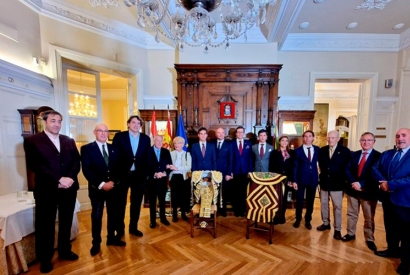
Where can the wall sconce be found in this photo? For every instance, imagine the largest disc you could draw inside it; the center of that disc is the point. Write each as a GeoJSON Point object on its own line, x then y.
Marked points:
{"type": "Point", "coordinates": [388, 83]}
{"type": "Point", "coordinates": [35, 61]}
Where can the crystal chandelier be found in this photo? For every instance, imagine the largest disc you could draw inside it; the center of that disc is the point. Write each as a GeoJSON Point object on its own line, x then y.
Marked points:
{"type": "Point", "coordinates": [373, 4]}
{"type": "Point", "coordinates": [192, 24]}
{"type": "Point", "coordinates": [82, 107]}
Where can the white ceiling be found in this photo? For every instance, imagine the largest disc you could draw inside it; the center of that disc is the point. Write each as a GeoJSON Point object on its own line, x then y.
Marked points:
{"type": "Point", "coordinates": [327, 30]}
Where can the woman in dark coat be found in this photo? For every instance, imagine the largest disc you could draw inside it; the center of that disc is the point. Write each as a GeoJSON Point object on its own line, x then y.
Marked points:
{"type": "Point", "coordinates": [281, 161]}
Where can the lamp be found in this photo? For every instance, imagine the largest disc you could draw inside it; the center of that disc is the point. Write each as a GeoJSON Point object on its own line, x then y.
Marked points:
{"type": "Point", "coordinates": [192, 24]}
{"type": "Point", "coordinates": [373, 4]}
{"type": "Point", "coordinates": [81, 106]}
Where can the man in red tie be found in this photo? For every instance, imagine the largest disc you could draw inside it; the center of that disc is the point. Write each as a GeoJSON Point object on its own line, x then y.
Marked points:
{"type": "Point", "coordinates": [261, 153]}
{"type": "Point", "coordinates": [362, 190]}
{"type": "Point", "coordinates": [203, 154]}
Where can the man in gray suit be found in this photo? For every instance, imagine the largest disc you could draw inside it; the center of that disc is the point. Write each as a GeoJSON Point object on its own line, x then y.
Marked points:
{"type": "Point", "coordinates": [261, 152]}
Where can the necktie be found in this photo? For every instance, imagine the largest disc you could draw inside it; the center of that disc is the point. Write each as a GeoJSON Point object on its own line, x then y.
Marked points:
{"type": "Point", "coordinates": [396, 160]}
{"type": "Point", "coordinates": [240, 147]}
{"type": "Point", "coordinates": [157, 153]}
{"type": "Point", "coordinates": [219, 145]}
{"type": "Point", "coordinates": [361, 164]}
{"type": "Point", "coordinates": [330, 152]}
{"type": "Point", "coordinates": [309, 155]}
{"type": "Point", "coordinates": [203, 150]}
{"type": "Point", "coordinates": [105, 155]}
{"type": "Point", "coordinates": [261, 152]}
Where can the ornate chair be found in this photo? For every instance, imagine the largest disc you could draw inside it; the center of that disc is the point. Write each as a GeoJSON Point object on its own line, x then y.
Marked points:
{"type": "Point", "coordinates": [265, 195]}
{"type": "Point", "coordinates": [205, 189]}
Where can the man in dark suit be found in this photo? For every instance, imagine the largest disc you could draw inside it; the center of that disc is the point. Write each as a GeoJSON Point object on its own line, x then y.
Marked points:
{"type": "Point", "coordinates": [55, 161]}
{"type": "Point", "coordinates": [241, 166]}
{"type": "Point", "coordinates": [392, 170]}
{"type": "Point", "coordinates": [159, 159]}
{"type": "Point", "coordinates": [333, 160]}
{"type": "Point", "coordinates": [261, 153]}
{"type": "Point", "coordinates": [362, 190]}
{"type": "Point", "coordinates": [223, 162]}
{"type": "Point", "coordinates": [305, 175]}
{"type": "Point", "coordinates": [98, 161]}
{"type": "Point", "coordinates": [203, 156]}
{"type": "Point", "coordinates": [133, 152]}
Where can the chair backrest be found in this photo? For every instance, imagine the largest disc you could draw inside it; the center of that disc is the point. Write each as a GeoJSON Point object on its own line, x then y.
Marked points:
{"type": "Point", "coordinates": [205, 186]}
{"type": "Point", "coordinates": [265, 195]}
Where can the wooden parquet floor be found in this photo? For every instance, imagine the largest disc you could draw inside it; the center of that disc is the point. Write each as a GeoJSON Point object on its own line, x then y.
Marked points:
{"type": "Point", "coordinates": [171, 250]}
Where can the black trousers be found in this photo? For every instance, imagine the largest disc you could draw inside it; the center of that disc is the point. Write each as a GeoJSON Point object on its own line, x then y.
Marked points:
{"type": "Point", "coordinates": [403, 225]}
{"type": "Point", "coordinates": [157, 188]}
{"type": "Point", "coordinates": [97, 204]}
{"type": "Point", "coordinates": [391, 220]}
{"type": "Point", "coordinates": [280, 216]}
{"type": "Point", "coordinates": [45, 218]}
{"type": "Point", "coordinates": [180, 193]}
{"type": "Point", "coordinates": [310, 200]}
{"type": "Point", "coordinates": [238, 187]}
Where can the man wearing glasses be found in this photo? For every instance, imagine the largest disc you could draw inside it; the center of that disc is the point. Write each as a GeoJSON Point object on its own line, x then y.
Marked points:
{"type": "Point", "coordinates": [362, 190]}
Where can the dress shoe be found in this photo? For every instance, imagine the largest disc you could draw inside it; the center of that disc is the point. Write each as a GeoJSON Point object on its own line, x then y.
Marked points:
{"type": "Point", "coordinates": [308, 225]}
{"type": "Point", "coordinates": [116, 242]}
{"type": "Point", "coordinates": [296, 224]}
{"type": "Point", "coordinates": [71, 256]}
{"type": "Point", "coordinates": [403, 269]}
{"type": "Point", "coordinates": [165, 222]}
{"type": "Point", "coordinates": [348, 237]}
{"type": "Point", "coordinates": [95, 249]}
{"type": "Point", "coordinates": [337, 235]}
{"type": "Point", "coordinates": [152, 225]}
{"type": "Point", "coordinates": [371, 245]}
{"type": "Point", "coordinates": [46, 267]}
{"type": "Point", "coordinates": [387, 253]}
{"type": "Point", "coordinates": [136, 232]}
{"type": "Point", "coordinates": [323, 227]}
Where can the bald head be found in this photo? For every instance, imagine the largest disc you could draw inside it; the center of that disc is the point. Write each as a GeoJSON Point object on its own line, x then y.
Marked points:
{"type": "Point", "coordinates": [101, 132]}
{"type": "Point", "coordinates": [403, 138]}
{"type": "Point", "coordinates": [220, 133]}
{"type": "Point", "coordinates": [333, 138]}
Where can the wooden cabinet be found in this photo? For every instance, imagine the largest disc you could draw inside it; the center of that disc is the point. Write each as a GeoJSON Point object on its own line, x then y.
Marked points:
{"type": "Point", "coordinates": [293, 123]}
{"type": "Point", "coordinates": [251, 91]}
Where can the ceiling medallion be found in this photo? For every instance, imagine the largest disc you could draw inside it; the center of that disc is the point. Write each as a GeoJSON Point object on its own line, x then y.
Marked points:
{"type": "Point", "coordinates": [373, 4]}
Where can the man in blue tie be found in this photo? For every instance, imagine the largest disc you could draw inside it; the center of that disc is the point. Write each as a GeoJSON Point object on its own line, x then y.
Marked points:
{"type": "Point", "coordinates": [393, 172]}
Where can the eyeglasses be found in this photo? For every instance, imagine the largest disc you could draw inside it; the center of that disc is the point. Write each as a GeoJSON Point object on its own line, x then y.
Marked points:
{"type": "Point", "coordinates": [368, 140]}
{"type": "Point", "coordinates": [101, 131]}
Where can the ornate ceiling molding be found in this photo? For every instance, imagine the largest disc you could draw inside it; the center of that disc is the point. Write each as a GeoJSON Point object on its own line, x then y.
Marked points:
{"type": "Point", "coordinates": [342, 42]}
{"type": "Point", "coordinates": [71, 14]}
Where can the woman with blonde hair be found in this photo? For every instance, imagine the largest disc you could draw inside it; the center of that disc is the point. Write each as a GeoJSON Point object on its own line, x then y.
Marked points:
{"type": "Point", "coordinates": [179, 180]}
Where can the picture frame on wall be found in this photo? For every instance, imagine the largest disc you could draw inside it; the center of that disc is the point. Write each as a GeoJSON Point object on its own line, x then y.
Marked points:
{"type": "Point", "coordinates": [111, 134]}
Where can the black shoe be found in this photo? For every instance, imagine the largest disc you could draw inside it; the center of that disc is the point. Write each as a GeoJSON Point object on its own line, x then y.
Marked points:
{"type": "Point", "coordinates": [152, 225]}
{"type": "Point", "coordinates": [348, 237]}
{"type": "Point", "coordinates": [164, 221]}
{"type": "Point", "coordinates": [185, 218]}
{"type": "Point", "coordinates": [323, 227]}
{"type": "Point", "coordinates": [115, 242]}
{"type": "Point", "coordinates": [387, 253]}
{"type": "Point", "coordinates": [308, 225]}
{"type": "Point", "coordinates": [371, 245]}
{"type": "Point", "coordinates": [136, 232]}
{"type": "Point", "coordinates": [46, 267]}
{"type": "Point", "coordinates": [95, 249]}
{"type": "Point", "coordinates": [296, 224]}
{"type": "Point", "coordinates": [337, 235]}
{"type": "Point", "coordinates": [403, 269]}
{"type": "Point", "coordinates": [71, 256]}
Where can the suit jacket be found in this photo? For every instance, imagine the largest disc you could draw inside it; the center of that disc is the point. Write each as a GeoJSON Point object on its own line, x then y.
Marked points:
{"type": "Point", "coordinates": [203, 163]}
{"type": "Point", "coordinates": [49, 165]}
{"type": "Point", "coordinates": [398, 179]}
{"type": "Point", "coordinates": [241, 164]}
{"type": "Point", "coordinates": [95, 169]}
{"type": "Point", "coordinates": [370, 186]}
{"type": "Point", "coordinates": [333, 170]}
{"type": "Point", "coordinates": [305, 172]}
{"type": "Point", "coordinates": [224, 157]}
{"type": "Point", "coordinates": [159, 166]}
{"type": "Point", "coordinates": [126, 157]}
{"type": "Point", "coordinates": [261, 164]}
{"type": "Point", "coordinates": [278, 165]}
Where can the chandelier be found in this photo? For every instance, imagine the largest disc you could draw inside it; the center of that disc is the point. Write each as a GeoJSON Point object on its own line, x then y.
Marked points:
{"type": "Point", "coordinates": [373, 4]}
{"type": "Point", "coordinates": [192, 24]}
{"type": "Point", "coordinates": [82, 107]}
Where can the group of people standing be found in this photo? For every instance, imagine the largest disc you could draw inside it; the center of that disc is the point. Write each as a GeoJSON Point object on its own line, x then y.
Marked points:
{"type": "Point", "coordinates": [130, 162]}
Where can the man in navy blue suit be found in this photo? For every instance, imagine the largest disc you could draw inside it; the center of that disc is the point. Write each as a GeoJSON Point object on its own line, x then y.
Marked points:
{"type": "Point", "coordinates": [98, 160]}
{"type": "Point", "coordinates": [160, 159]}
{"type": "Point", "coordinates": [241, 166]}
{"type": "Point", "coordinates": [133, 155]}
{"type": "Point", "coordinates": [393, 172]}
{"type": "Point", "coordinates": [223, 162]}
{"type": "Point", "coordinates": [362, 190]}
{"type": "Point", "coordinates": [203, 154]}
{"type": "Point", "coordinates": [305, 175]}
